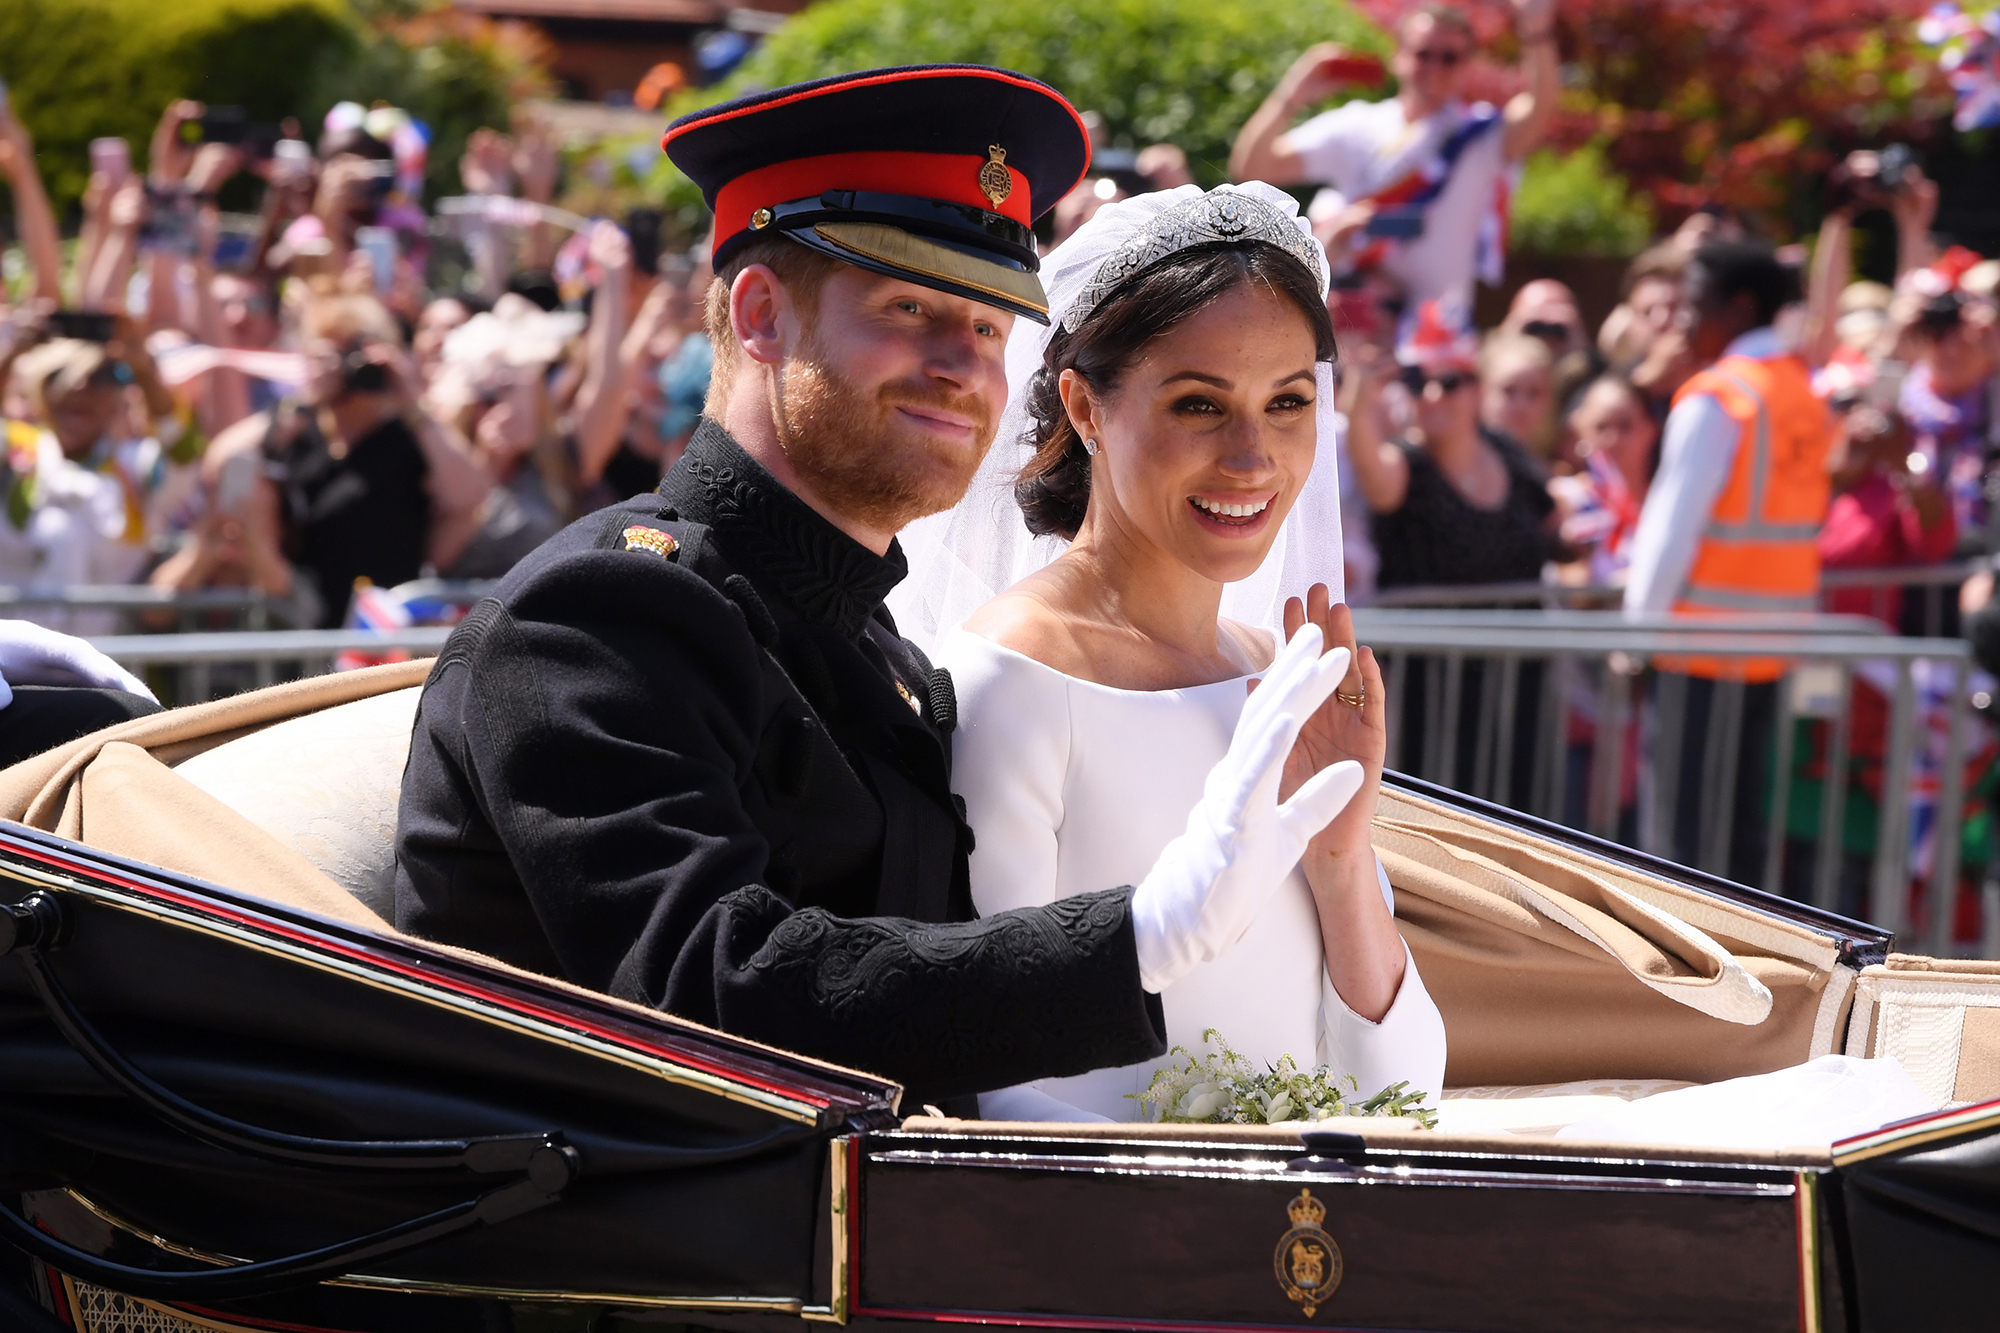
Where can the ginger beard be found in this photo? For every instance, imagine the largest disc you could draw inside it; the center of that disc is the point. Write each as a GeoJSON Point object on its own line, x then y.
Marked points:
{"type": "Point", "coordinates": [860, 455]}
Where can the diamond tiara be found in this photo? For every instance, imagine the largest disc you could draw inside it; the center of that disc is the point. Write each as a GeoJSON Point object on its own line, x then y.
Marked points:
{"type": "Point", "coordinates": [1220, 215]}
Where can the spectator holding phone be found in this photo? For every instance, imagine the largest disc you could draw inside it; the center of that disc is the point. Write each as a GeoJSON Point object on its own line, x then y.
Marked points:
{"type": "Point", "coordinates": [131, 471]}
{"type": "Point", "coordinates": [1414, 179]}
{"type": "Point", "coordinates": [494, 386]}
{"type": "Point", "coordinates": [238, 542]}
{"type": "Point", "coordinates": [372, 486]}
{"type": "Point", "coordinates": [1888, 509]}
{"type": "Point", "coordinates": [1616, 437]}
{"type": "Point", "coordinates": [1454, 501]}
{"type": "Point", "coordinates": [34, 219]}
{"type": "Point", "coordinates": [356, 172]}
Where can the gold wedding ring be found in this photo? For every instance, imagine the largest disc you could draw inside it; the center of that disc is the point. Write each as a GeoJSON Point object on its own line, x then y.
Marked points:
{"type": "Point", "coordinates": [1357, 700]}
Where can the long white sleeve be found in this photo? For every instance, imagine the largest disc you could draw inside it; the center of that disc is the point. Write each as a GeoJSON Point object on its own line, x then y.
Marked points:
{"type": "Point", "coordinates": [1407, 1045]}
{"type": "Point", "coordinates": [1696, 455]}
{"type": "Point", "coordinates": [1009, 755]}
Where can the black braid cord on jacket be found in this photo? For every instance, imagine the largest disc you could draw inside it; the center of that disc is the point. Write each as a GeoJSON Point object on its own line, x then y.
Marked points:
{"type": "Point", "coordinates": [681, 756]}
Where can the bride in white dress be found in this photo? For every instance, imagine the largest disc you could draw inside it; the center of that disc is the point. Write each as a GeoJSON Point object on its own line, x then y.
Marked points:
{"type": "Point", "coordinates": [1171, 418]}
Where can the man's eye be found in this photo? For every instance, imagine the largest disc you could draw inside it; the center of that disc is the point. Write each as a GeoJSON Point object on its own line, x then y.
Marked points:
{"type": "Point", "coordinates": [910, 307]}
{"type": "Point", "coordinates": [986, 330]}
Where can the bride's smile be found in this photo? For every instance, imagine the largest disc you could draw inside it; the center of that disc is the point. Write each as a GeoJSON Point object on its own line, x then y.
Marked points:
{"type": "Point", "coordinates": [1235, 514]}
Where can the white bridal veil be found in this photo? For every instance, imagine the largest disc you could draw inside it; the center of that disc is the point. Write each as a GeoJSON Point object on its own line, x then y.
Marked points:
{"type": "Point", "coordinates": [961, 558]}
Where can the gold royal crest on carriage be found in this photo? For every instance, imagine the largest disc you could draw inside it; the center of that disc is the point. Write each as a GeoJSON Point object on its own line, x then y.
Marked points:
{"type": "Point", "coordinates": [1307, 1261]}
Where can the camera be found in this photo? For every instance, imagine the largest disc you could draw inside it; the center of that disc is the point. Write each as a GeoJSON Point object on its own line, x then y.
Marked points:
{"type": "Point", "coordinates": [1941, 314]}
{"type": "Point", "coordinates": [360, 375]}
{"type": "Point", "coordinates": [1853, 185]}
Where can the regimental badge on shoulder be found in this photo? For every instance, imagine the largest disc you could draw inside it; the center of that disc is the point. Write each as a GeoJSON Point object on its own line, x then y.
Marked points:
{"type": "Point", "coordinates": [995, 181]}
{"type": "Point", "coordinates": [641, 538]}
{"type": "Point", "coordinates": [1307, 1261]}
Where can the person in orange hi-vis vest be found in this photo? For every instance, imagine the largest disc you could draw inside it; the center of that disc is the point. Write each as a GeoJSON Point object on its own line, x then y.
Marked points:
{"type": "Point", "coordinates": [1728, 529]}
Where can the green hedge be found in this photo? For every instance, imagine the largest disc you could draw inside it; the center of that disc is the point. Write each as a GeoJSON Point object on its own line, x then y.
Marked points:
{"type": "Point", "coordinates": [1187, 72]}
{"type": "Point", "coordinates": [81, 69]}
{"type": "Point", "coordinates": [1577, 205]}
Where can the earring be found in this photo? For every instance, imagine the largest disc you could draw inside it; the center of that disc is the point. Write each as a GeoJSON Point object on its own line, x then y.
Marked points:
{"type": "Point", "coordinates": [1090, 447]}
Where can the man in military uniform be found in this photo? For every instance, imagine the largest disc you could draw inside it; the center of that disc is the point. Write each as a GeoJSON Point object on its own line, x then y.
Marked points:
{"type": "Point", "coordinates": [683, 757]}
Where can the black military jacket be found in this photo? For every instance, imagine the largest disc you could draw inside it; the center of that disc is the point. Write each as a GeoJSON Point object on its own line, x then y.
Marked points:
{"type": "Point", "coordinates": [682, 756]}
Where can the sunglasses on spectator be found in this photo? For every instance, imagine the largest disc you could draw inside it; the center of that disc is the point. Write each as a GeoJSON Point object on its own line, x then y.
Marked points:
{"type": "Point", "coordinates": [1446, 59]}
{"type": "Point", "coordinates": [1547, 330]}
{"type": "Point", "coordinates": [1451, 381]}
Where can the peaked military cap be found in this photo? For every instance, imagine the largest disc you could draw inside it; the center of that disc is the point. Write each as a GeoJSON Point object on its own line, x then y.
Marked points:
{"type": "Point", "coordinates": [935, 173]}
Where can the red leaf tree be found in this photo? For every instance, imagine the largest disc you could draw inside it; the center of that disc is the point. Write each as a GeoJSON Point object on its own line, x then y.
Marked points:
{"type": "Point", "coordinates": [1734, 102]}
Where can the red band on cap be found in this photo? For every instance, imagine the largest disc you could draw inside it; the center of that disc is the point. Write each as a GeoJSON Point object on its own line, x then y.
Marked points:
{"type": "Point", "coordinates": [951, 177]}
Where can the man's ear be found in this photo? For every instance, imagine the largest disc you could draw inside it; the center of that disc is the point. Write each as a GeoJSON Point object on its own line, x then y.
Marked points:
{"type": "Point", "coordinates": [762, 315]}
{"type": "Point", "coordinates": [1081, 405]}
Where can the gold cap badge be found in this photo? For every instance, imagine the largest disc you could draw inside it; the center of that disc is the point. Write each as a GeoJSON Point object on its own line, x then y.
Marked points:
{"type": "Point", "coordinates": [995, 181]}
{"type": "Point", "coordinates": [1307, 1262]}
{"type": "Point", "coordinates": [661, 544]}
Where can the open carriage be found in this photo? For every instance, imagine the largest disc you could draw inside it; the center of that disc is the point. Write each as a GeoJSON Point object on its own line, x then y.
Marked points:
{"type": "Point", "coordinates": [231, 1097]}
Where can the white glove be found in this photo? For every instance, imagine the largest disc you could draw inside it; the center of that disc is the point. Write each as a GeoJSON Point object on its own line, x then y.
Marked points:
{"type": "Point", "coordinates": [1240, 844]}
{"type": "Point", "coordinates": [32, 655]}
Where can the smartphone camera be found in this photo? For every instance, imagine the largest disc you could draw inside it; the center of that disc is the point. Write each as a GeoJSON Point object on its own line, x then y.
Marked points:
{"type": "Point", "coordinates": [381, 179]}
{"type": "Point", "coordinates": [87, 325]}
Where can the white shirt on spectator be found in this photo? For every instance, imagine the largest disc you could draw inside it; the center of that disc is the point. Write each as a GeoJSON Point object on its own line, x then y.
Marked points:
{"type": "Point", "coordinates": [1697, 453]}
{"type": "Point", "coordinates": [1363, 148]}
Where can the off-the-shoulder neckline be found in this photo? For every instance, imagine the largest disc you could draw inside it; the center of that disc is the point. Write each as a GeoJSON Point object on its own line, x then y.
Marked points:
{"type": "Point", "coordinates": [1040, 665]}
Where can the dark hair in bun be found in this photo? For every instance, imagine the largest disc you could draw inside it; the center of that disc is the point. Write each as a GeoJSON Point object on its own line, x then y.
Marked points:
{"type": "Point", "coordinates": [1054, 488]}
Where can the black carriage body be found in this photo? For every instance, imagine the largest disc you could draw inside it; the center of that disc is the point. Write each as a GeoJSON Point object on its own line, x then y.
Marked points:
{"type": "Point", "coordinates": [725, 1185]}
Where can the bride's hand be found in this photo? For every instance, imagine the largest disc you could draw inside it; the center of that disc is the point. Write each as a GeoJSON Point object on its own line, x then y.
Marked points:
{"type": "Point", "coordinates": [1340, 730]}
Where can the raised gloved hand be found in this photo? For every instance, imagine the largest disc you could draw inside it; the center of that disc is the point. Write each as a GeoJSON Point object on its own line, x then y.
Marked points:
{"type": "Point", "coordinates": [1209, 883]}
{"type": "Point", "coordinates": [32, 655]}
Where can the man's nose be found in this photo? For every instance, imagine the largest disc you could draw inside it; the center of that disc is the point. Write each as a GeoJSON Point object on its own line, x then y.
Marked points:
{"type": "Point", "coordinates": [954, 354]}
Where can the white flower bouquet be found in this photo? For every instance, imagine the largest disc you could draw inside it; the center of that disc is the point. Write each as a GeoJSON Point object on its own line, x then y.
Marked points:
{"type": "Point", "coordinates": [1221, 1088]}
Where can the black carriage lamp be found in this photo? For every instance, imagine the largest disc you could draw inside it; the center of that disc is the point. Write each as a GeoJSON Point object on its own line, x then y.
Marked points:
{"type": "Point", "coordinates": [544, 1160]}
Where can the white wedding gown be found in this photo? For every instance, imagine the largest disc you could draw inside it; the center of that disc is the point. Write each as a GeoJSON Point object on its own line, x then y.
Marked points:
{"type": "Point", "coordinates": [1073, 787]}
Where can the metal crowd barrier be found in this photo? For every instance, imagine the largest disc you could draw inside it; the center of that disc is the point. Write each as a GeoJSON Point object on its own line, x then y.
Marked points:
{"type": "Point", "coordinates": [1933, 588]}
{"type": "Point", "coordinates": [251, 659]}
{"type": "Point", "coordinates": [1481, 659]}
{"type": "Point", "coordinates": [250, 609]}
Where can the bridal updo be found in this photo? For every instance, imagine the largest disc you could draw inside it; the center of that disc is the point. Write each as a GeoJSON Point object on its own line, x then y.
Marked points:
{"type": "Point", "coordinates": [1053, 490]}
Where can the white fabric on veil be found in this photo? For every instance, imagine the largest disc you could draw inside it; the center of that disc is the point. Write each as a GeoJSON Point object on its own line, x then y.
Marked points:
{"type": "Point", "coordinates": [960, 559]}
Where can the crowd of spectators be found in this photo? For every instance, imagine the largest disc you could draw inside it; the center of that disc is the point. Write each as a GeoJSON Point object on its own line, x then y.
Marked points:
{"type": "Point", "coordinates": [307, 400]}
{"type": "Point", "coordinates": [302, 404]}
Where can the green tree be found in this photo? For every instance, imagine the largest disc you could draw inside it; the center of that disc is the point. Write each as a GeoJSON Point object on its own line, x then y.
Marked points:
{"type": "Point", "coordinates": [1187, 72]}
{"type": "Point", "coordinates": [81, 69]}
{"type": "Point", "coordinates": [77, 70]}
{"type": "Point", "coordinates": [1575, 204]}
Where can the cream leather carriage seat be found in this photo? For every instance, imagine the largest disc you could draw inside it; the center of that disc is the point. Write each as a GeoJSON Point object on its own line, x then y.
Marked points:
{"type": "Point", "coordinates": [326, 785]}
